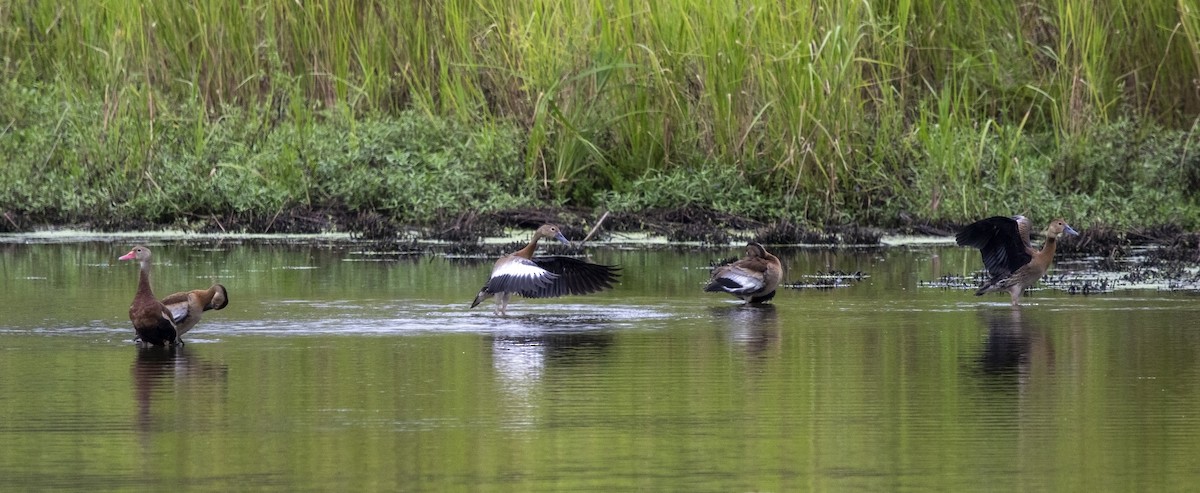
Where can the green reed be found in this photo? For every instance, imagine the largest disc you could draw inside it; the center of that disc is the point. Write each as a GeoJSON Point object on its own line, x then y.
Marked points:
{"type": "Point", "coordinates": [838, 110]}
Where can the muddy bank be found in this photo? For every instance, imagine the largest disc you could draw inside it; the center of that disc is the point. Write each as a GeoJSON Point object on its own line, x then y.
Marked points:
{"type": "Point", "coordinates": [464, 232]}
{"type": "Point", "coordinates": [692, 225]}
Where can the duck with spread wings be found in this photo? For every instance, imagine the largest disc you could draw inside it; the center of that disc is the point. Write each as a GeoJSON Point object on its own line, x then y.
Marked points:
{"type": "Point", "coordinates": [1010, 258]}
{"type": "Point", "coordinates": [543, 277]}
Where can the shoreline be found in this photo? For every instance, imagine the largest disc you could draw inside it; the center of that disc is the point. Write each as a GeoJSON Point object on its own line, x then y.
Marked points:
{"type": "Point", "coordinates": [484, 233]}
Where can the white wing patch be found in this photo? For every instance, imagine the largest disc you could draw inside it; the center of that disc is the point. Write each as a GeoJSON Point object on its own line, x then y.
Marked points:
{"type": "Point", "coordinates": [519, 275]}
{"type": "Point", "coordinates": [521, 268]}
{"type": "Point", "coordinates": [749, 283]}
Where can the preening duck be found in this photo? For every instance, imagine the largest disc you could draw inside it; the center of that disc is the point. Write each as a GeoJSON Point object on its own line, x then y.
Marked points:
{"type": "Point", "coordinates": [753, 278]}
{"type": "Point", "coordinates": [543, 277]}
{"type": "Point", "coordinates": [152, 321]}
{"type": "Point", "coordinates": [187, 307]}
{"type": "Point", "coordinates": [1008, 254]}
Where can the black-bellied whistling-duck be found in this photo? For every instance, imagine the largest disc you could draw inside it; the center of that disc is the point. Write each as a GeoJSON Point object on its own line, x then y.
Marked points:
{"type": "Point", "coordinates": [753, 278]}
{"type": "Point", "coordinates": [151, 320]}
{"type": "Point", "coordinates": [187, 307]}
{"type": "Point", "coordinates": [543, 277]}
{"type": "Point", "coordinates": [1010, 259]}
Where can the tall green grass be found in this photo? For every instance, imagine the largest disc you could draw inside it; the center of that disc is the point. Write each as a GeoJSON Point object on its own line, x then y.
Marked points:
{"type": "Point", "coordinates": [840, 110]}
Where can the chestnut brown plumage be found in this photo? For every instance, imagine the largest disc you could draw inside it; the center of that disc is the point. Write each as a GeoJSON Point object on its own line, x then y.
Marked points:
{"type": "Point", "coordinates": [152, 322]}
{"type": "Point", "coordinates": [1004, 244]}
{"type": "Point", "coordinates": [187, 307]}
{"type": "Point", "coordinates": [543, 277]}
{"type": "Point", "coordinates": [754, 278]}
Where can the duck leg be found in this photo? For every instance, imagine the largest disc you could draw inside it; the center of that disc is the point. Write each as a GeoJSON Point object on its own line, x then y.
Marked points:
{"type": "Point", "coordinates": [502, 303]}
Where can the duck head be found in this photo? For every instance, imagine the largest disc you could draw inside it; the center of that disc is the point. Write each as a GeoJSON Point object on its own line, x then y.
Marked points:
{"type": "Point", "coordinates": [755, 250]}
{"type": "Point", "coordinates": [550, 231]}
{"type": "Point", "coordinates": [139, 253]}
{"type": "Point", "coordinates": [220, 297]}
{"type": "Point", "coordinates": [1059, 226]}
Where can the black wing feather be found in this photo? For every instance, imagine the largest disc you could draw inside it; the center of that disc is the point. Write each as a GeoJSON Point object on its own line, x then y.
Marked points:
{"type": "Point", "coordinates": [572, 276]}
{"type": "Point", "coordinates": [999, 243]}
{"type": "Point", "coordinates": [763, 298]}
{"type": "Point", "coordinates": [519, 284]}
{"type": "Point", "coordinates": [722, 284]}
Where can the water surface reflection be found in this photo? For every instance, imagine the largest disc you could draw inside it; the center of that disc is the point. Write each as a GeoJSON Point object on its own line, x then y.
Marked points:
{"type": "Point", "coordinates": [336, 373]}
{"type": "Point", "coordinates": [753, 328]}
{"type": "Point", "coordinates": [522, 360]}
{"type": "Point", "coordinates": [162, 373]}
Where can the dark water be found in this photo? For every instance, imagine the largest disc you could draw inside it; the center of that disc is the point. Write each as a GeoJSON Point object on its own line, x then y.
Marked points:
{"type": "Point", "coordinates": [337, 368]}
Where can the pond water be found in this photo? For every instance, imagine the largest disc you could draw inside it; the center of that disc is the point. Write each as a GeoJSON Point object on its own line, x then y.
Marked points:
{"type": "Point", "coordinates": [344, 367]}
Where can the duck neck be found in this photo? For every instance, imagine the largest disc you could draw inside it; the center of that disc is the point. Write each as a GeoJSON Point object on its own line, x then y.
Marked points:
{"type": "Point", "coordinates": [527, 252]}
{"type": "Point", "coordinates": [144, 280]}
{"type": "Point", "coordinates": [1046, 255]}
{"type": "Point", "coordinates": [208, 295]}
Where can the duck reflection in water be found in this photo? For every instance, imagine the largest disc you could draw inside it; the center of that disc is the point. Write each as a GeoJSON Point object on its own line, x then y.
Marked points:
{"type": "Point", "coordinates": [520, 358]}
{"type": "Point", "coordinates": [158, 369]}
{"type": "Point", "coordinates": [520, 361]}
{"type": "Point", "coordinates": [754, 328]}
{"type": "Point", "coordinates": [1014, 343]}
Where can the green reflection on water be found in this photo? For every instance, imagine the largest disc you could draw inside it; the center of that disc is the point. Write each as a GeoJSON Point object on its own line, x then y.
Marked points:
{"type": "Point", "coordinates": [331, 370]}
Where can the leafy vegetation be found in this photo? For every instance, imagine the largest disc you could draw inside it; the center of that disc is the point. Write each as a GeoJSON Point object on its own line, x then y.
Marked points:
{"type": "Point", "coordinates": [65, 167]}
{"type": "Point", "coordinates": [821, 112]}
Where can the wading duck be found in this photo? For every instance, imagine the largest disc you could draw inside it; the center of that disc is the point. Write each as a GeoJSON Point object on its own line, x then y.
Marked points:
{"type": "Point", "coordinates": [152, 321]}
{"type": "Point", "coordinates": [1007, 253]}
{"type": "Point", "coordinates": [753, 278]}
{"type": "Point", "coordinates": [187, 307]}
{"type": "Point", "coordinates": [543, 277]}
